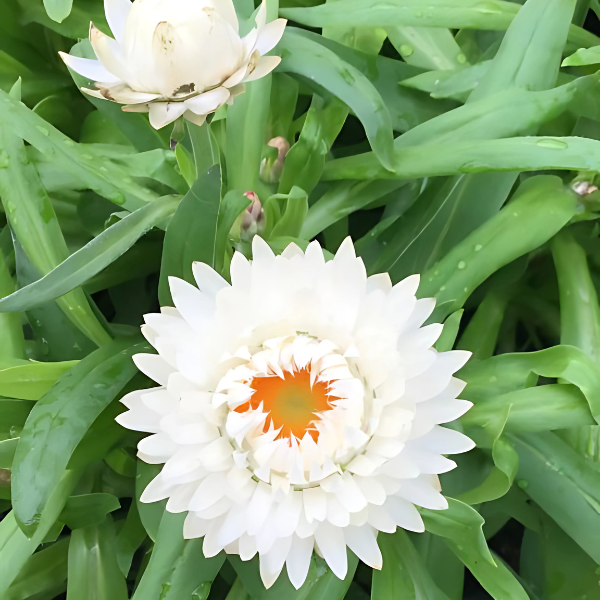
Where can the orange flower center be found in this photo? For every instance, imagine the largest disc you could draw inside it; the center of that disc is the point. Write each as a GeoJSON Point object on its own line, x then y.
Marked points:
{"type": "Point", "coordinates": [291, 402]}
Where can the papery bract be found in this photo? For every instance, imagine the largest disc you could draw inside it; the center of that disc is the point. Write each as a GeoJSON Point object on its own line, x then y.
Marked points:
{"type": "Point", "coordinates": [299, 408]}
{"type": "Point", "coordinates": [176, 57]}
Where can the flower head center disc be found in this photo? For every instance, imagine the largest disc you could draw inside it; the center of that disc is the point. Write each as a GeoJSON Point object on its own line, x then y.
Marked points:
{"type": "Point", "coordinates": [291, 402]}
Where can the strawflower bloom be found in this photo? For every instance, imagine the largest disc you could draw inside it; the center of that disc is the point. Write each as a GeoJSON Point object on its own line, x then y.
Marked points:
{"type": "Point", "coordinates": [299, 408]}
{"type": "Point", "coordinates": [176, 57]}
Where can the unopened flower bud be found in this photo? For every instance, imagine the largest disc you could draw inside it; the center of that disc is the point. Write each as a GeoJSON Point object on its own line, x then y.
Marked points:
{"type": "Point", "coordinates": [253, 218]}
{"type": "Point", "coordinates": [271, 168]}
{"type": "Point", "coordinates": [583, 188]}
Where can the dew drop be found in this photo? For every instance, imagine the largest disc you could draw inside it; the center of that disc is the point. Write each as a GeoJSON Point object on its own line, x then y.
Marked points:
{"type": "Point", "coordinates": [406, 50]}
{"type": "Point", "coordinates": [4, 159]}
{"type": "Point", "coordinates": [69, 143]}
{"type": "Point", "coordinates": [522, 484]}
{"type": "Point", "coordinates": [202, 591]}
{"type": "Point", "coordinates": [462, 264]}
{"type": "Point", "coordinates": [116, 197]}
{"type": "Point", "coordinates": [461, 58]}
{"type": "Point", "coordinates": [127, 180]}
{"type": "Point", "coordinates": [11, 206]}
{"type": "Point", "coordinates": [478, 247]}
{"type": "Point", "coordinates": [42, 130]}
{"type": "Point", "coordinates": [87, 156]}
{"type": "Point", "coordinates": [553, 143]}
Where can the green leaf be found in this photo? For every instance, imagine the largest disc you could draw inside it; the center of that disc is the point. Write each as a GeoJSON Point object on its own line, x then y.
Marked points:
{"type": "Point", "coordinates": [513, 154]}
{"type": "Point", "coordinates": [44, 572]}
{"type": "Point", "coordinates": [513, 232]}
{"type": "Point", "coordinates": [30, 380]}
{"type": "Point", "coordinates": [540, 408]}
{"type": "Point", "coordinates": [407, 108]}
{"type": "Point", "coordinates": [306, 158]}
{"type": "Point", "coordinates": [404, 574]}
{"type": "Point", "coordinates": [11, 330]}
{"type": "Point", "coordinates": [564, 484]}
{"type": "Point", "coordinates": [93, 568]}
{"type": "Point", "coordinates": [189, 238]}
{"type": "Point", "coordinates": [87, 510]}
{"type": "Point", "coordinates": [150, 514]}
{"type": "Point", "coordinates": [130, 538]}
{"type": "Point", "coordinates": [56, 336]}
{"type": "Point", "coordinates": [98, 173]}
{"type": "Point", "coordinates": [15, 546]}
{"type": "Point", "coordinates": [460, 526]}
{"type": "Point", "coordinates": [292, 219]}
{"type": "Point", "coordinates": [302, 56]}
{"type": "Point", "coordinates": [232, 206]}
{"type": "Point", "coordinates": [579, 310]}
{"type": "Point", "coordinates": [451, 324]}
{"type": "Point", "coordinates": [192, 571]}
{"type": "Point", "coordinates": [583, 56]}
{"type": "Point", "coordinates": [341, 200]}
{"type": "Point", "coordinates": [33, 221]}
{"type": "Point", "coordinates": [246, 125]}
{"type": "Point", "coordinates": [13, 413]}
{"type": "Point", "coordinates": [59, 422]}
{"type": "Point", "coordinates": [58, 10]}
{"type": "Point", "coordinates": [468, 14]}
{"type": "Point", "coordinates": [168, 549]}
{"type": "Point", "coordinates": [427, 47]}
{"type": "Point", "coordinates": [569, 572]}
{"type": "Point", "coordinates": [92, 258]}
{"type": "Point", "coordinates": [511, 372]}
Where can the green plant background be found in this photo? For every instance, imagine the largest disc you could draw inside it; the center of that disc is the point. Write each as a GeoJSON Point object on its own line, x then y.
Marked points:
{"type": "Point", "coordinates": [446, 138]}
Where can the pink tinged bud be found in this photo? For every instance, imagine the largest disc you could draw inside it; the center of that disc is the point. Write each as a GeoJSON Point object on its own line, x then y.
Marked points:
{"type": "Point", "coordinates": [270, 170]}
{"type": "Point", "coordinates": [253, 218]}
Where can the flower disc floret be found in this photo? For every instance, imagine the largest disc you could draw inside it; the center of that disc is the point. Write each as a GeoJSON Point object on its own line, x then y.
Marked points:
{"type": "Point", "coordinates": [299, 408]}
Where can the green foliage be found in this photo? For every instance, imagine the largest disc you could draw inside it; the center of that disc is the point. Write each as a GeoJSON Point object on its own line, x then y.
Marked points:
{"type": "Point", "coordinates": [458, 139]}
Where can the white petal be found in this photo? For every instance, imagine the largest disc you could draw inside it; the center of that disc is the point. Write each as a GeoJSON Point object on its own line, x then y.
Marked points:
{"type": "Point", "coordinates": [108, 53]}
{"type": "Point", "coordinates": [259, 507]}
{"type": "Point", "coordinates": [92, 69]}
{"type": "Point", "coordinates": [157, 448]}
{"type": "Point", "coordinates": [419, 491]}
{"type": "Point", "coordinates": [210, 490]}
{"type": "Point", "coordinates": [381, 519]}
{"type": "Point", "coordinates": [156, 490]}
{"type": "Point", "coordinates": [444, 441]}
{"type": "Point", "coordinates": [362, 541]}
{"type": "Point", "coordinates": [208, 280]}
{"type": "Point", "coordinates": [194, 527]}
{"type": "Point", "coordinates": [288, 513]}
{"type": "Point", "coordinates": [163, 113]}
{"type": "Point", "coordinates": [194, 118]}
{"type": "Point", "coordinates": [154, 367]}
{"type": "Point", "coordinates": [315, 503]}
{"type": "Point", "coordinates": [269, 35]}
{"type": "Point", "coordinates": [264, 66]}
{"type": "Point", "coordinates": [207, 102]}
{"type": "Point", "coordinates": [195, 307]}
{"type": "Point", "coordinates": [404, 513]}
{"type": "Point", "coordinates": [116, 14]}
{"type": "Point", "coordinates": [272, 562]}
{"type": "Point", "coordinates": [298, 560]}
{"type": "Point", "coordinates": [332, 546]}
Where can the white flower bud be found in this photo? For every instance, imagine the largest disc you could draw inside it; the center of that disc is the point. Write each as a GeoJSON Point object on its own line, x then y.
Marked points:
{"type": "Point", "coordinates": [176, 57]}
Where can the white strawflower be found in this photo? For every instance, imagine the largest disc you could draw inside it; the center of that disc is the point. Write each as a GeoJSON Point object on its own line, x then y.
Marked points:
{"type": "Point", "coordinates": [299, 408]}
{"type": "Point", "coordinates": [176, 57]}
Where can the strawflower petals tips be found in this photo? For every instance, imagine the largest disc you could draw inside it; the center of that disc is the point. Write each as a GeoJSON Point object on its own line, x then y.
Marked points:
{"type": "Point", "coordinates": [293, 418]}
{"type": "Point", "coordinates": [176, 58]}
